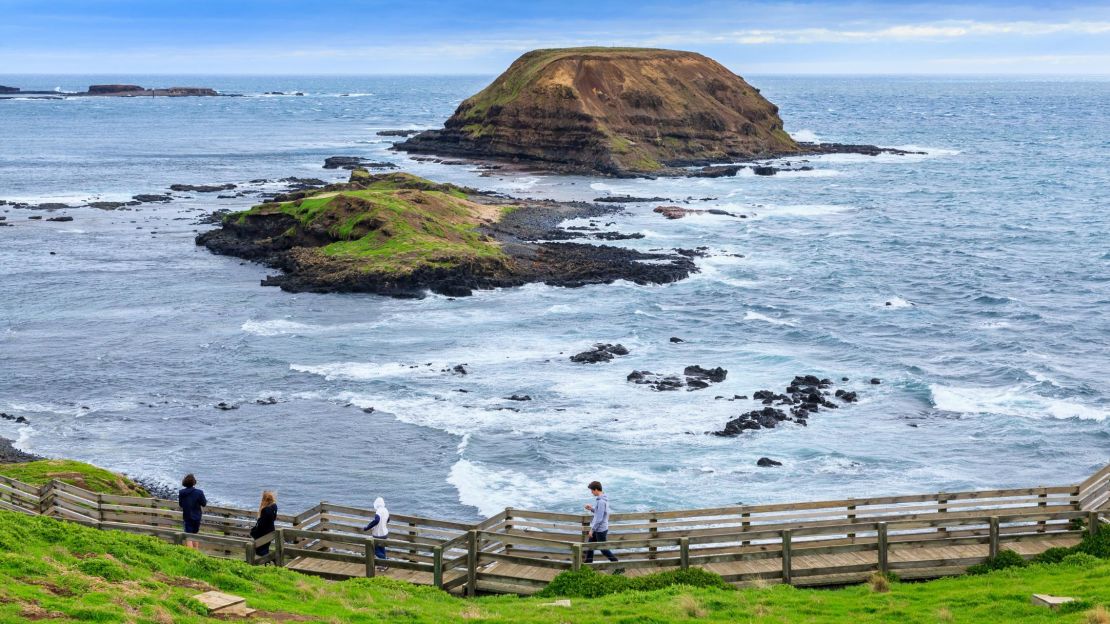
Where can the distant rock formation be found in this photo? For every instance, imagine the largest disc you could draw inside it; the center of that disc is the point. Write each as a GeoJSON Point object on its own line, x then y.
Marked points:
{"type": "Point", "coordinates": [135, 90]}
{"type": "Point", "coordinates": [615, 111]}
{"type": "Point", "coordinates": [4, 89]}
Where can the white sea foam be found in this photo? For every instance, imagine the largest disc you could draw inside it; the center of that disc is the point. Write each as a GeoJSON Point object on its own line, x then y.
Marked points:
{"type": "Point", "coordinates": [363, 370]}
{"type": "Point", "coordinates": [756, 316]}
{"type": "Point", "coordinates": [895, 303]}
{"type": "Point", "coordinates": [1010, 401]}
{"type": "Point", "coordinates": [277, 327]}
{"type": "Point", "coordinates": [805, 135]}
{"type": "Point", "coordinates": [769, 211]}
{"type": "Point", "coordinates": [491, 490]}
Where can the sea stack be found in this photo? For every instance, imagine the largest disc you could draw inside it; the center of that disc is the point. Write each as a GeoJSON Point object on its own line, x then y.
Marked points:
{"type": "Point", "coordinates": [617, 111]}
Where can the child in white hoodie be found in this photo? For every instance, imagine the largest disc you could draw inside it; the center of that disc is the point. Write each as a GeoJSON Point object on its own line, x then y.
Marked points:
{"type": "Point", "coordinates": [379, 528]}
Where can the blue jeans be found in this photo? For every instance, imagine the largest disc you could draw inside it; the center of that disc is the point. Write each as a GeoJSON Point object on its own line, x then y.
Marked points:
{"type": "Point", "coordinates": [379, 550]}
{"type": "Point", "coordinates": [599, 536]}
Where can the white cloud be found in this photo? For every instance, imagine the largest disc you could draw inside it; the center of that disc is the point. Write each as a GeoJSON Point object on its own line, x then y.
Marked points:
{"type": "Point", "coordinates": [901, 32]}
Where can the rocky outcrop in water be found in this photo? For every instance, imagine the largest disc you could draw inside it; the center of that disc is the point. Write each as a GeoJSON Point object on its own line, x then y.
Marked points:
{"type": "Point", "coordinates": [805, 396]}
{"type": "Point", "coordinates": [400, 235]}
{"type": "Point", "coordinates": [613, 110]}
{"type": "Point", "coordinates": [620, 112]}
{"type": "Point", "coordinates": [601, 352]}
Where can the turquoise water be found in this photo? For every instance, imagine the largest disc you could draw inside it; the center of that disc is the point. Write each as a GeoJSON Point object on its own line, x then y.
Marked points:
{"type": "Point", "coordinates": [992, 250]}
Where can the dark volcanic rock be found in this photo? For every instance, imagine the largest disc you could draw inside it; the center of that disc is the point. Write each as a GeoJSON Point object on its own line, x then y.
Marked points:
{"type": "Point", "coordinates": [62, 218]}
{"type": "Point", "coordinates": [806, 395]}
{"type": "Point", "coordinates": [676, 339]}
{"type": "Point", "coordinates": [767, 462]}
{"type": "Point", "coordinates": [351, 163]}
{"type": "Point", "coordinates": [722, 171]}
{"type": "Point", "coordinates": [656, 382]}
{"type": "Point", "coordinates": [398, 133]}
{"type": "Point", "coordinates": [520, 397]}
{"type": "Point", "coordinates": [201, 188]}
{"type": "Point", "coordinates": [11, 455]}
{"type": "Point", "coordinates": [628, 199]}
{"type": "Point", "coordinates": [617, 236]}
{"type": "Point", "coordinates": [4, 89]}
{"type": "Point", "coordinates": [459, 369]}
{"type": "Point", "coordinates": [19, 420]}
{"type": "Point", "coordinates": [147, 198]}
{"type": "Point", "coordinates": [111, 205]}
{"type": "Point", "coordinates": [113, 88]}
{"type": "Point", "coordinates": [601, 352]}
{"type": "Point", "coordinates": [714, 375]}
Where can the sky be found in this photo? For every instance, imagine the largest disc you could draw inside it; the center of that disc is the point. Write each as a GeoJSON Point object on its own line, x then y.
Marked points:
{"type": "Point", "coordinates": [476, 37]}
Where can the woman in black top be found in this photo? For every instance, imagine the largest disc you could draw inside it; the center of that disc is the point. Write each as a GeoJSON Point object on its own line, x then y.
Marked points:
{"type": "Point", "coordinates": [191, 500]}
{"type": "Point", "coordinates": [267, 515]}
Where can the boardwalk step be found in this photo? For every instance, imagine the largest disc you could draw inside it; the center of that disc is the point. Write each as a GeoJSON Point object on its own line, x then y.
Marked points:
{"type": "Point", "coordinates": [219, 602]}
{"type": "Point", "coordinates": [1052, 602]}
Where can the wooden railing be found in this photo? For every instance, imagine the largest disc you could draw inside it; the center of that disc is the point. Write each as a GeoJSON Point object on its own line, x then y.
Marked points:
{"type": "Point", "coordinates": [518, 551]}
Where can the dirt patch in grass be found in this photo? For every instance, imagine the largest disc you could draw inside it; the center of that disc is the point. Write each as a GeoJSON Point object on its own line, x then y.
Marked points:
{"type": "Point", "coordinates": [188, 583]}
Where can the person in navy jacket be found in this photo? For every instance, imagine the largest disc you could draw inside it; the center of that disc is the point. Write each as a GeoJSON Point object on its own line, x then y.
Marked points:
{"type": "Point", "coordinates": [191, 500]}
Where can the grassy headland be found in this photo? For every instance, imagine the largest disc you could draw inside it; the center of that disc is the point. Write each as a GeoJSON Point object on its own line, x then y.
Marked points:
{"type": "Point", "coordinates": [59, 572]}
{"type": "Point", "coordinates": [76, 473]}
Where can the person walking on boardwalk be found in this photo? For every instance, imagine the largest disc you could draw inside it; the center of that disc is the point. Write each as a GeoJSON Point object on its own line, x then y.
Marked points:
{"type": "Point", "coordinates": [599, 526]}
{"type": "Point", "coordinates": [191, 500]}
{"type": "Point", "coordinates": [379, 528]}
{"type": "Point", "coordinates": [267, 515]}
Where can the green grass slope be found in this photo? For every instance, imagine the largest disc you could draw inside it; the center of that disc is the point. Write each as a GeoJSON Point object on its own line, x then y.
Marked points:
{"type": "Point", "coordinates": [52, 571]}
{"type": "Point", "coordinates": [391, 224]}
{"type": "Point", "coordinates": [76, 473]}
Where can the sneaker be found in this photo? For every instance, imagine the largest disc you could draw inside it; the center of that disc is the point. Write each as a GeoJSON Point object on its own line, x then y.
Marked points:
{"type": "Point", "coordinates": [381, 568]}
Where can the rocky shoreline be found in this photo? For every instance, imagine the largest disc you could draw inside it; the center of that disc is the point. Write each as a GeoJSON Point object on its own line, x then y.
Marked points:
{"type": "Point", "coordinates": [519, 244]}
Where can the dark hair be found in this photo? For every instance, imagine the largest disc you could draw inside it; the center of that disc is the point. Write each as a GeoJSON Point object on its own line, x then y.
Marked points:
{"type": "Point", "coordinates": [595, 485]}
{"type": "Point", "coordinates": [189, 480]}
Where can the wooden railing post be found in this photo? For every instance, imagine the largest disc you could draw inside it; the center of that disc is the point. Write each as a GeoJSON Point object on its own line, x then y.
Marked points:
{"type": "Point", "coordinates": [472, 563]}
{"type": "Point", "coordinates": [851, 520]}
{"type": "Point", "coordinates": [942, 508]}
{"type": "Point", "coordinates": [371, 565]}
{"type": "Point", "coordinates": [745, 524]}
{"type": "Point", "coordinates": [684, 553]}
{"type": "Point", "coordinates": [1092, 523]}
{"type": "Point", "coordinates": [993, 537]}
{"type": "Point", "coordinates": [508, 527]}
{"type": "Point", "coordinates": [653, 533]}
{"type": "Point", "coordinates": [576, 557]}
{"type": "Point", "coordinates": [884, 548]}
{"type": "Point", "coordinates": [786, 556]}
{"type": "Point", "coordinates": [437, 566]}
{"type": "Point", "coordinates": [249, 553]}
{"type": "Point", "coordinates": [279, 548]}
{"type": "Point", "coordinates": [1042, 525]}
{"type": "Point", "coordinates": [178, 538]}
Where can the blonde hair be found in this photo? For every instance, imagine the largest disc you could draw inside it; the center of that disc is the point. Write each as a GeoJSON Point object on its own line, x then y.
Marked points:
{"type": "Point", "coordinates": [268, 498]}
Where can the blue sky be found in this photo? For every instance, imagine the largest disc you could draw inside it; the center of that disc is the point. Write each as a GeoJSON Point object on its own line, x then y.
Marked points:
{"type": "Point", "coordinates": [440, 37]}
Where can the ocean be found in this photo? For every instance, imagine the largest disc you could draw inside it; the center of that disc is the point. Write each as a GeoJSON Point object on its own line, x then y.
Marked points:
{"type": "Point", "coordinates": [973, 280]}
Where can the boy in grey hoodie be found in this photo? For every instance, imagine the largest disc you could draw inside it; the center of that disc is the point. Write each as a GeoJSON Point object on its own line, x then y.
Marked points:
{"type": "Point", "coordinates": [599, 527]}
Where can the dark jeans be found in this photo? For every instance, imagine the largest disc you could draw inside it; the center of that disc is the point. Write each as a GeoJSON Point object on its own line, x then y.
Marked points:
{"type": "Point", "coordinates": [599, 536]}
{"type": "Point", "coordinates": [379, 550]}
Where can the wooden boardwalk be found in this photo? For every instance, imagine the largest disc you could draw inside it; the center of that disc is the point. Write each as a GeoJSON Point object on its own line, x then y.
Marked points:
{"type": "Point", "coordinates": [520, 551]}
{"type": "Point", "coordinates": [510, 574]}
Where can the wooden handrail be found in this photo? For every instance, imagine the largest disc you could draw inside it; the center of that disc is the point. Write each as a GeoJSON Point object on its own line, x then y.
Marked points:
{"type": "Point", "coordinates": [556, 541]}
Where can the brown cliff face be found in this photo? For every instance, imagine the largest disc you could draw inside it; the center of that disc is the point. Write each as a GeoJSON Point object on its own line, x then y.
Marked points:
{"type": "Point", "coordinates": [613, 110]}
